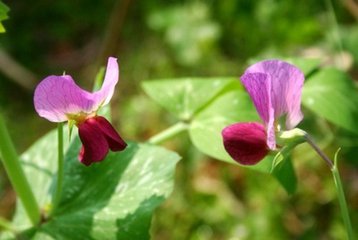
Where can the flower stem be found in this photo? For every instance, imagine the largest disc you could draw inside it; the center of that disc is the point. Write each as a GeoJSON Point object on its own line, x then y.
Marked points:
{"type": "Point", "coordinates": [60, 158]}
{"type": "Point", "coordinates": [342, 199]}
{"type": "Point", "coordinates": [169, 133]}
{"type": "Point", "coordinates": [338, 185]}
{"type": "Point", "coordinates": [319, 151]}
{"type": "Point", "coordinates": [16, 175]}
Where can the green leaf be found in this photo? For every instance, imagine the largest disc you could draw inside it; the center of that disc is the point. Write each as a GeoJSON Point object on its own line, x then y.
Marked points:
{"type": "Point", "coordinates": [285, 175]}
{"type": "Point", "coordinates": [40, 162]}
{"type": "Point", "coordinates": [185, 97]}
{"type": "Point", "coordinates": [114, 199]}
{"type": "Point", "coordinates": [306, 65]}
{"type": "Point", "coordinates": [205, 129]}
{"type": "Point", "coordinates": [331, 94]}
{"type": "Point", "coordinates": [3, 15]}
{"type": "Point", "coordinates": [232, 107]}
{"type": "Point", "coordinates": [283, 170]}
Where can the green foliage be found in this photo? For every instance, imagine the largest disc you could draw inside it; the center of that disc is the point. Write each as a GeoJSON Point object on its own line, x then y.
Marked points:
{"type": "Point", "coordinates": [231, 107]}
{"type": "Point", "coordinates": [111, 200]}
{"type": "Point", "coordinates": [185, 97]}
{"type": "Point", "coordinates": [331, 94]}
{"type": "Point", "coordinates": [188, 30]}
{"type": "Point", "coordinates": [3, 15]}
{"type": "Point", "coordinates": [210, 105]}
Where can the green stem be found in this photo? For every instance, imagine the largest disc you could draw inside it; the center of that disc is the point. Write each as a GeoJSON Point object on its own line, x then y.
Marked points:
{"type": "Point", "coordinates": [319, 151]}
{"type": "Point", "coordinates": [338, 184]}
{"type": "Point", "coordinates": [60, 173]}
{"type": "Point", "coordinates": [169, 133]}
{"type": "Point", "coordinates": [16, 175]}
{"type": "Point", "coordinates": [342, 199]}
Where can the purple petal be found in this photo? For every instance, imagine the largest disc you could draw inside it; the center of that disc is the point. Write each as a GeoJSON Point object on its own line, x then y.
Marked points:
{"type": "Point", "coordinates": [57, 96]}
{"type": "Point", "coordinates": [286, 88]}
{"type": "Point", "coordinates": [258, 85]}
{"type": "Point", "coordinates": [104, 95]}
{"type": "Point", "coordinates": [115, 141]}
{"type": "Point", "coordinates": [245, 142]}
{"type": "Point", "coordinates": [95, 146]}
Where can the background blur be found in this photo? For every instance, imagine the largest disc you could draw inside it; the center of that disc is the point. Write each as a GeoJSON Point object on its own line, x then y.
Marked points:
{"type": "Point", "coordinates": [176, 38]}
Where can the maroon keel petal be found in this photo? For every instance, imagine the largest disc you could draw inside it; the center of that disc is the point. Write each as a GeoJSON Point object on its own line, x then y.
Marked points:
{"type": "Point", "coordinates": [95, 146]}
{"type": "Point", "coordinates": [115, 141]}
{"type": "Point", "coordinates": [245, 142]}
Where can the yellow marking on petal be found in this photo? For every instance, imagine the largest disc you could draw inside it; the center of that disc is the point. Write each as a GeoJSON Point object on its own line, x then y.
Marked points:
{"type": "Point", "coordinates": [80, 117]}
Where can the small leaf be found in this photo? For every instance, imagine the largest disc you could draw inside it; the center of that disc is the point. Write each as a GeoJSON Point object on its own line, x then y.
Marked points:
{"type": "Point", "coordinates": [285, 174]}
{"type": "Point", "coordinates": [185, 97]}
{"type": "Point", "coordinates": [331, 94]}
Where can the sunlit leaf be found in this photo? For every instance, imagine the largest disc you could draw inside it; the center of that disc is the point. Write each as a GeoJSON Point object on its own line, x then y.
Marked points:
{"type": "Point", "coordinates": [185, 97]}
{"type": "Point", "coordinates": [306, 65]}
{"type": "Point", "coordinates": [331, 94]}
{"type": "Point", "coordinates": [111, 200]}
{"type": "Point", "coordinates": [205, 130]}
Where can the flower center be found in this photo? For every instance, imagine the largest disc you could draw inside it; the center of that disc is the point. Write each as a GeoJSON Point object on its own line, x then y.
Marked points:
{"type": "Point", "coordinates": [80, 117]}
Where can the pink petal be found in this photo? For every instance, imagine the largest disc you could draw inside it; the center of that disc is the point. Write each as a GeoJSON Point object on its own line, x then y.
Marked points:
{"type": "Point", "coordinates": [286, 88]}
{"type": "Point", "coordinates": [245, 142]}
{"type": "Point", "coordinates": [258, 85]}
{"type": "Point", "coordinates": [95, 146]}
{"type": "Point", "coordinates": [104, 95]}
{"type": "Point", "coordinates": [56, 96]}
{"type": "Point", "coordinates": [114, 141]}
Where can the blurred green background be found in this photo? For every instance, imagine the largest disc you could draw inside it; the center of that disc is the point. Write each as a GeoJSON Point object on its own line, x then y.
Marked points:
{"type": "Point", "coordinates": [176, 38]}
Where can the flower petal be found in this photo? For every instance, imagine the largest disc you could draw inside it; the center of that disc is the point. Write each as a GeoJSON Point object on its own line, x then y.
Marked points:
{"type": "Point", "coordinates": [286, 88]}
{"type": "Point", "coordinates": [57, 96]}
{"type": "Point", "coordinates": [245, 142]}
{"type": "Point", "coordinates": [258, 85]}
{"type": "Point", "coordinates": [114, 141]}
{"type": "Point", "coordinates": [104, 95]}
{"type": "Point", "coordinates": [95, 146]}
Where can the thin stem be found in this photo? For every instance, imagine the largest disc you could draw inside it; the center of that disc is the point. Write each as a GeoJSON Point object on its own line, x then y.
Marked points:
{"type": "Point", "coordinates": [16, 175]}
{"type": "Point", "coordinates": [338, 185]}
{"type": "Point", "coordinates": [169, 133]}
{"type": "Point", "coordinates": [319, 151]}
{"type": "Point", "coordinates": [342, 200]}
{"type": "Point", "coordinates": [59, 183]}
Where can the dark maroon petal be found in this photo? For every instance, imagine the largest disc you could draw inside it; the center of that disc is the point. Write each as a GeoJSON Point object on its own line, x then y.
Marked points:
{"type": "Point", "coordinates": [115, 141]}
{"type": "Point", "coordinates": [246, 142]}
{"type": "Point", "coordinates": [95, 146]}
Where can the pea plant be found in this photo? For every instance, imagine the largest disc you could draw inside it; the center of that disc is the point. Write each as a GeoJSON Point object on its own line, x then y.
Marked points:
{"type": "Point", "coordinates": [84, 180]}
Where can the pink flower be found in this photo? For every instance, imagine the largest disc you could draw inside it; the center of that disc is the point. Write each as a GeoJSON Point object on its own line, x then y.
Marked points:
{"type": "Point", "coordinates": [275, 88]}
{"type": "Point", "coordinates": [59, 99]}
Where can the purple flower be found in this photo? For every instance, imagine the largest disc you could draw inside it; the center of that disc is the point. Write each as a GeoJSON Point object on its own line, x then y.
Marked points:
{"type": "Point", "coordinates": [275, 88]}
{"type": "Point", "coordinates": [59, 99]}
